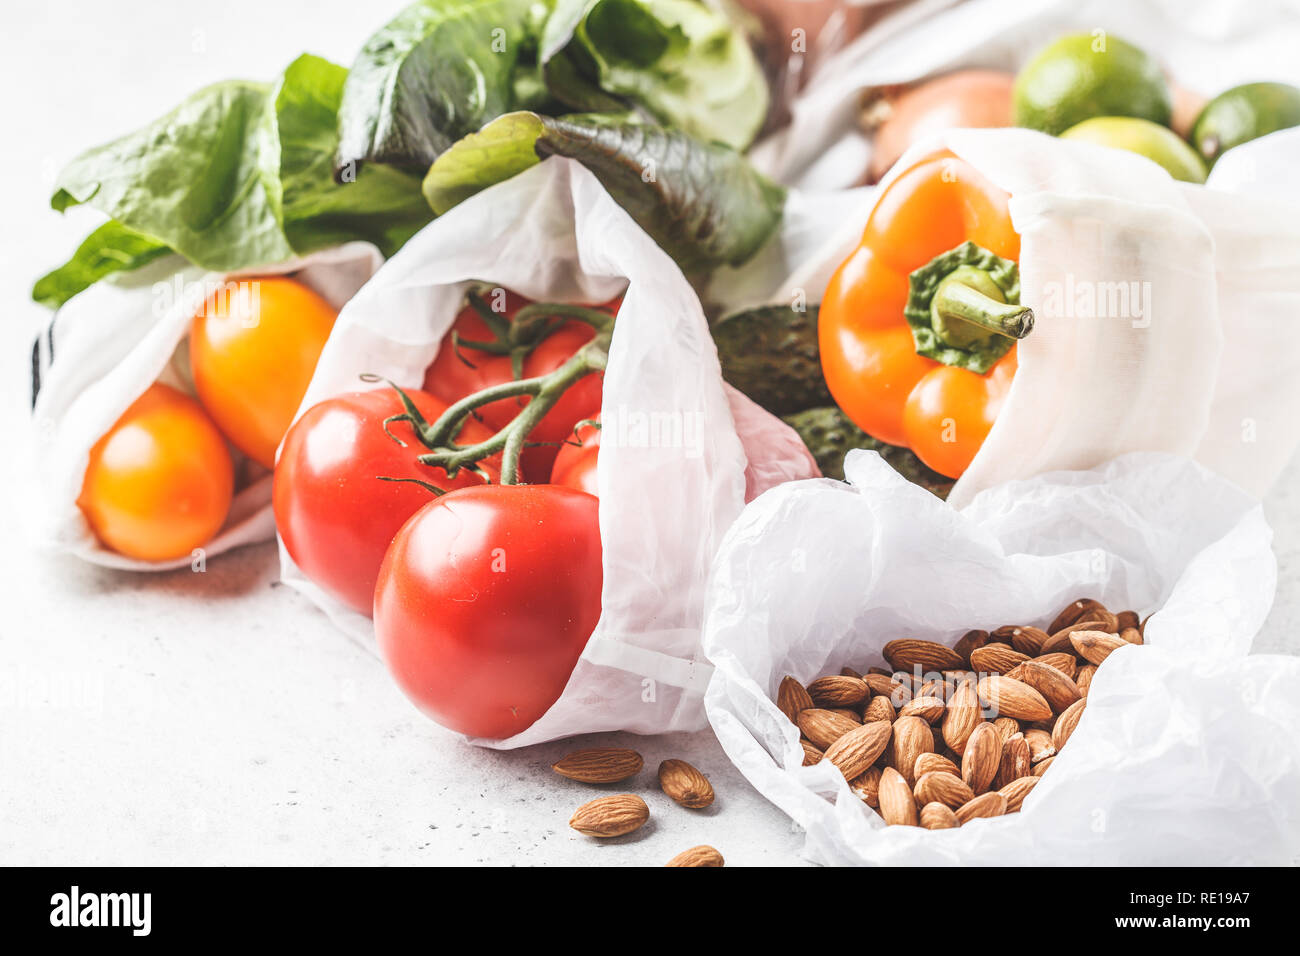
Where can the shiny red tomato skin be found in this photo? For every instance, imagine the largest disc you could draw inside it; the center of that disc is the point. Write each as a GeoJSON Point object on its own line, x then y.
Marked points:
{"type": "Point", "coordinates": [457, 373]}
{"type": "Point", "coordinates": [575, 465]}
{"type": "Point", "coordinates": [485, 601]}
{"type": "Point", "coordinates": [335, 516]}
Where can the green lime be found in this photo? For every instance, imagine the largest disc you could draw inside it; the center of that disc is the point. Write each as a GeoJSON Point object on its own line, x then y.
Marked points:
{"type": "Point", "coordinates": [1244, 113]}
{"type": "Point", "coordinates": [1157, 143]}
{"type": "Point", "coordinates": [1090, 74]}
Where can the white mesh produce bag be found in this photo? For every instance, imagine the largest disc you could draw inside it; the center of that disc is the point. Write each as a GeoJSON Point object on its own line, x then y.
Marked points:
{"type": "Point", "coordinates": [552, 233]}
{"type": "Point", "coordinates": [1187, 750]}
{"type": "Point", "coordinates": [105, 347]}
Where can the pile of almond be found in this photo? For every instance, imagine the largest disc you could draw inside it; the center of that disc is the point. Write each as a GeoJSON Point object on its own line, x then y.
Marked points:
{"type": "Point", "coordinates": [951, 734]}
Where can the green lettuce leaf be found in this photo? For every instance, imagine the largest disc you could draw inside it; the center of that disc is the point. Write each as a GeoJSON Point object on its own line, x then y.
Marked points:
{"type": "Point", "coordinates": [439, 70]}
{"type": "Point", "coordinates": [677, 61]}
{"type": "Point", "coordinates": [239, 175]}
{"type": "Point", "coordinates": [702, 202]}
{"type": "Point", "coordinates": [110, 248]}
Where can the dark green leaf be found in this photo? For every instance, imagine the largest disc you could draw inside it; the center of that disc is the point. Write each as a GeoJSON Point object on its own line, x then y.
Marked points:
{"type": "Point", "coordinates": [702, 202]}
{"type": "Point", "coordinates": [439, 70]}
{"type": "Point", "coordinates": [770, 353]}
{"type": "Point", "coordinates": [110, 248]}
{"type": "Point", "coordinates": [379, 204]}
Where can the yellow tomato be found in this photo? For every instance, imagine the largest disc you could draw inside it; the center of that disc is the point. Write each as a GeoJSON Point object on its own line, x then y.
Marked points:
{"type": "Point", "coordinates": [159, 483]}
{"type": "Point", "coordinates": [253, 349]}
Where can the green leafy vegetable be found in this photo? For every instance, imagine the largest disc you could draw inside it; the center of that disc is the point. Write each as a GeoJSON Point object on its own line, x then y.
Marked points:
{"type": "Point", "coordinates": [678, 61]}
{"type": "Point", "coordinates": [702, 202]}
{"type": "Point", "coordinates": [830, 435]}
{"type": "Point", "coordinates": [239, 175]}
{"type": "Point", "coordinates": [437, 71]}
{"type": "Point", "coordinates": [110, 248]}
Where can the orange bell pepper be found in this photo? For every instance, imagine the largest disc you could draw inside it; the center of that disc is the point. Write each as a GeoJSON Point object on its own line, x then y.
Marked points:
{"type": "Point", "coordinates": [918, 326]}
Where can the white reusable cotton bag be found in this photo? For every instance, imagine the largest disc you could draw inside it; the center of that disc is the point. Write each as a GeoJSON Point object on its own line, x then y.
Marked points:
{"type": "Point", "coordinates": [1186, 752]}
{"type": "Point", "coordinates": [552, 233]}
{"type": "Point", "coordinates": [105, 347]}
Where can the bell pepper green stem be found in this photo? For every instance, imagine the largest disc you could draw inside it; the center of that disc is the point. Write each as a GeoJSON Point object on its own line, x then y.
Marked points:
{"type": "Point", "coordinates": [959, 302]}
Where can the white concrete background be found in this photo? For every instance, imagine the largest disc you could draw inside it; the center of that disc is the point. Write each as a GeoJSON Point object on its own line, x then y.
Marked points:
{"type": "Point", "coordinates": [217, 718]}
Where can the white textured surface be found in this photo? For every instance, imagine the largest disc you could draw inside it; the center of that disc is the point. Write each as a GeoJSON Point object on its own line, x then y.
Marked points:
{"type": "Point", "coordinates": [215, 718]}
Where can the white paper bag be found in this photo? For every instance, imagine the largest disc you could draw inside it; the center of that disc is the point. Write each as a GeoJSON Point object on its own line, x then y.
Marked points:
{"type": "Point", "coordinates": [553, 234]}
{"type": "Point", "coordinates": [105, 347]}
{"type": "Point", "coordinates": [1186, 752]}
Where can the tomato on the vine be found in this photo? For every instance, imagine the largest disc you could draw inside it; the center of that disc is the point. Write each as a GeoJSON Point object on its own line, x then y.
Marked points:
{"type": "Point", "coordinates": [334, 514]}
{"type": "Point", "coordinates": [575, 465]}
{"type": "Point", "coordinates": [253, 351]}
{"type": "Point", "coordinates": [159, 483]}
{"type": "Point", "coordinates": [485, 601]}
{"type": "Point", "coordinates": [458, 371]}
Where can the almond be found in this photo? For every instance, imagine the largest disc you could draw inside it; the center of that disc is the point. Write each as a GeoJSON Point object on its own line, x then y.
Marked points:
{"type": "Point", "coordinates": [1063, 661]}
{"type": "Point", "coordinates": [909, 653]}
{"type": "Point", "coordinates": [685, 784]}
{"type": "Point", "coordinates": [792, 699]}
{"type": "Point", "coordinates": [1041, 768]}
{"type": "Point", "coordinates": [928, 709]}
{"type": "Point", "coordinates": [882, 685]}
{"type": "Point", "coordinates": [1040, 745]}
{"type": "Point", "coordinates": [897, 805]}
{"type": "Point", "coordinates": [1028, 640]}
{"type": "Point", "coordinates": [1073, 613]}
{"type": "Point", "coordinates": [935, 816]}
{"type": "Point", "coordinates": [936, 688]}
{"type": "Point", "coordinates": [981, 758]}
{"type": "Point", "coordinates": [697, 856]}
{"type": "Point", "coordinates": [879, 708]}
{"type": "Point", "coordinates": [1011, 698]}
{"type": "Point", "coordinates": [1131, 635]}
{"type": "Point", "coordinates": [1096, 646]}
{"type": "Point", "coordinates": [823, 727]}
{"type": "Point", "coordinates": [832, 692]}
{"type": "Point", "coordinates": [969, 642]}
{"type": "Point", "coordinates": [1007, 727]}
{"type": "Point", "coordinates": [991, 804]}
{"type": "Point", "coordinates": [610, 816]}
{"type": "Point", "coordinates": [1016, 761]}
{"type": "Point", "coordinates": [1084, 680]}
{"type": "Point", "coordinates": [995, 659]}
{"type": "Point", "coordinates": [963, 716]}
{"type": "Point", "coordinates": [934, 763]}
{"type": "Point", "coordinates": [811, 754]}
{"type": "Point", "coordinates": [945, 788]}
{"type": "Point", "coordinates": [1066, 723]}
{"type": "Point", "coordinates": [867, 786]}
{"type": "Point", "coordinates": [1059, 642]}
{"type": "Point", "coordinates": [849, 672]}
{"type": "Point", "coordinates": [1057, 689]}
{"type": "Point", "coordinates": [912, 737]}
{"type": "Point", "coordinates": [857, 750]}
{"type": "Point", "coordinates": [848, 713]}
{"type": "Point", "coordinates": [1127, 619]}
{"type": "Point", "coordinates": [599, 765]}
{"type": "Point", "coordinates": [1016, 791]}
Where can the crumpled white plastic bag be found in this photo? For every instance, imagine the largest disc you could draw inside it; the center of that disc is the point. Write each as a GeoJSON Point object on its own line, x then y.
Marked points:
{"type": "Point", "coordinates": [552, 233]}
{"type": "Point", "coordinates": [1187, 751]}
{"type": "Point", "coordinates": [108, 344]}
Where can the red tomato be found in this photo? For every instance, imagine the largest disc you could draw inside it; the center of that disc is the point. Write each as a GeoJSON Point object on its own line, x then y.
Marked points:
{"type": "Point", "coordinates": [334, 514]}
{"type": "Point", "coordinates": [159, 483]}
{"type": "Point", "coordinates": [575, 465]}
{"type": "Point", "coordinates": [485, 601]}
{"type": "Point", "coordinates": [457, 373]}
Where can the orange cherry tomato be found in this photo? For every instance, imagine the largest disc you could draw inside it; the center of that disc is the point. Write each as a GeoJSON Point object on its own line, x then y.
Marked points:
{"type": "Point", "coordinates": [159, 483]}
{"type": "Point", "coordinates": [253, 350]}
